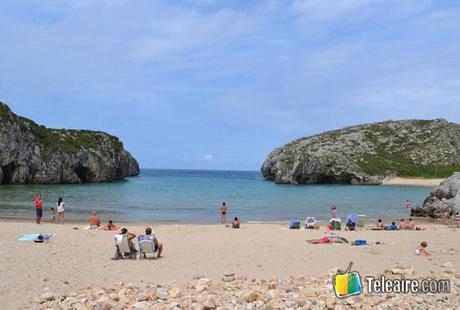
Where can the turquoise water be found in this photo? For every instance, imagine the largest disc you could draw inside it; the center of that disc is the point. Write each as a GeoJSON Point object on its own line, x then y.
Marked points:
{"type": "Point", "coordinates": [195, 196]}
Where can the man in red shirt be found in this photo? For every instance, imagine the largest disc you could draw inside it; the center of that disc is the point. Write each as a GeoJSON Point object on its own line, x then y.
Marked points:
{"type": "Point", "coordinates": [38, 208]}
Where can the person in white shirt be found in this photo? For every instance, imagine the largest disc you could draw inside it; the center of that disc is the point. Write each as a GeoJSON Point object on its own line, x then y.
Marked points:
{"type": "Point", "coordinates": [60, 211]}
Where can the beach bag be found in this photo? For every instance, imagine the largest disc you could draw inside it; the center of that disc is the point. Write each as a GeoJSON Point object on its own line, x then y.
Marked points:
{"type": "Point", "coordinates": [294, 224]}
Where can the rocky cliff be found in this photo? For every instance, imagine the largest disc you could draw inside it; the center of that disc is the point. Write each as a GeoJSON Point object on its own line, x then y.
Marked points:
{"type": "Point", "coordinates": [33, 154]}
{"type": "Point", "coordinates": [367, 153]}
{"type": "Point", "coordinates": [445, 199]}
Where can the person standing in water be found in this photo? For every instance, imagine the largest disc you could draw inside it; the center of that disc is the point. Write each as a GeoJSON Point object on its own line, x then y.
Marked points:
{"type": "Point", "coordinates": [38, 208]}
{"type": "Point", "coordinates": [60, 211]}
{"type": "Point", "coordinates": [223, 212]}
{"type": "Point", "coordinates": [408, 204]}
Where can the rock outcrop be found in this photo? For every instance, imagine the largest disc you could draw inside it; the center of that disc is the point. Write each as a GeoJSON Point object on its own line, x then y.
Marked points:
{"type": "Point", "coordinates": [33, 154]}
{"type": "Point", "coordinates": [445, 199]}
{"type": "Point", "coordinates": [365, 154]}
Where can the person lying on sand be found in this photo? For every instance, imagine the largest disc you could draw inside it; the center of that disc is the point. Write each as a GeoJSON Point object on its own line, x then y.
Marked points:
{"type": "Point", "coordinates": [236, 223]}
{"type": "Point", "coordinates": [109, 226]}
{"type": "Point", "coordinates": [411, 225]}
{"type": "Point", "coordinates": [327, 239]}
{"type": "Point", "coordinates": [379, 225]}
{"type": "Point", "coordinates": [421, 249]}
{"type": "Point", "coordinates": [94, 221]}
{"type": "Point", "coordinates": [392, 226]}
{"type": "Point", "coordinates": [149, 236]}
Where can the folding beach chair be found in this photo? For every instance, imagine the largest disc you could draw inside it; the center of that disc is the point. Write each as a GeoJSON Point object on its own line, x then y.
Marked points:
{"type": "Point", "coordinates": [122, 244]}
{"type": "Point", "coordinates": [146, 246]}
{"type": "Point", "coordinates": [310, 222]}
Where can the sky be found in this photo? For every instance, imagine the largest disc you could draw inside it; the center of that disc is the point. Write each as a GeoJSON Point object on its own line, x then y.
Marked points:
{"type": "Point", "coordinates": [209, 84]}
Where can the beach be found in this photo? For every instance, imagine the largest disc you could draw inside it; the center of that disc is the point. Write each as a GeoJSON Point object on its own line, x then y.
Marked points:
{"type": "Point", "coordinates": [76, 258]}
{"type": "Point", "coordinates": [412, 181]}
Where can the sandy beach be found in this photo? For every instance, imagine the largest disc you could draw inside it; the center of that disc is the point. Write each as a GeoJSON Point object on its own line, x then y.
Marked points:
{"type": "Point", "coordinates": [75, 259]}
{"type": "Point", "coordinates": [412, 181]}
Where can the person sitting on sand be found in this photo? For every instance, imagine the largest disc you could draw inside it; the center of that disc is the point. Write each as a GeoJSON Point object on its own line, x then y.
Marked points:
{"type": "Point", "coordinates": [392, 226]}
{"type": "Point", "coordinates": [402, 224]}
{"type": "Point", "coordinates": [130, 236]}
{"type": "Point", "coordinates": [421, 249]}
{"type": "Point", "coordinates": [94, 221]}
{"type": "Point", "coordinates": [109, 226]}
{"type": "Point", "coordinates": [236, 223]}
{"type": "Point", "coordinates": [158, 246]}
{"type": "Point", "coordinates": [327, 239]}
{"type": "Point", "coordinates": [379, 225]}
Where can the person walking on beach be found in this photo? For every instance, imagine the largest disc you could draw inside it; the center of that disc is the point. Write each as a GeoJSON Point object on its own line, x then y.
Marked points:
{"type": "Point", "coordinates": [60, 211]}
{"type": "Point", "coordinates": [223, 212]}
{"type": "Point", "coordinates": [38, 208]}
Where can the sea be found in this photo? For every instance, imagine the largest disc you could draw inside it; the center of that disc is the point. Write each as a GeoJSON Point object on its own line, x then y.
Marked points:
{"type": "Point", "coordinates": [195, 196]}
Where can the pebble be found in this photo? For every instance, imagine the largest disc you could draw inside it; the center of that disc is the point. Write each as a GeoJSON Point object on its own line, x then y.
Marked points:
{"type": "Point", "coordinates": [47, 296]}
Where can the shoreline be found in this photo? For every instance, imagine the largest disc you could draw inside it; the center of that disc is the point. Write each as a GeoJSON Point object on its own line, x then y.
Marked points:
{"type": "Point", "coordinates": [412, 181]}
{"type": "Point", "coordinates": [368, 221]}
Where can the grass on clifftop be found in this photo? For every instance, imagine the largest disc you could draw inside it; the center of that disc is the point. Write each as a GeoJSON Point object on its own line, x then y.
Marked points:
{"type": "Point", "coordinates": [394, 165]}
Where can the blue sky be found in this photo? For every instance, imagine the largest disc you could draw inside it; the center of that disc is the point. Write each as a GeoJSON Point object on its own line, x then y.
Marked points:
{"type": "Point", "coordinates": [210, 84]}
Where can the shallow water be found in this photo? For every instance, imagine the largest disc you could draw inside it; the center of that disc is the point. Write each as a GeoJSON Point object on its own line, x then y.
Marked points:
{"type": "Point", "coordinates": [195, 196]}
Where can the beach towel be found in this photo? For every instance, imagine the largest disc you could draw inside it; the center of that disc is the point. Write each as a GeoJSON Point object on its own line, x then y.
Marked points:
{"type": "Point", "coordinates": [359, 242]}
{"type": "Point", "coordinates": [33, 237]}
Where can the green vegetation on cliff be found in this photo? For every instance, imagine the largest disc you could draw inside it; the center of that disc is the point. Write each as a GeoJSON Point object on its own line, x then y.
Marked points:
{"type": "Point", "coordinates": [365, 154]}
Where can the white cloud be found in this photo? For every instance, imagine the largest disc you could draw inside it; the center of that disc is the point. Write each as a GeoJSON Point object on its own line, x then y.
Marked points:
{"type": "Point", "coordinates": [208, 157]}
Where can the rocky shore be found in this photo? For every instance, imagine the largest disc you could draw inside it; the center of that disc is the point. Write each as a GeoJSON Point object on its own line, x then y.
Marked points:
{"type": "Point", "coordinates": [242, 293]}
{"type": "Point", "coordinates": [445, 199]}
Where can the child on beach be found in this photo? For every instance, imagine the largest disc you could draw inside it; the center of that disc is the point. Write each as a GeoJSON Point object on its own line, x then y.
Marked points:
{"type": "Point", "coordinates": [421, 249]}
{"type": "Point", "coordinates": [53, 215]}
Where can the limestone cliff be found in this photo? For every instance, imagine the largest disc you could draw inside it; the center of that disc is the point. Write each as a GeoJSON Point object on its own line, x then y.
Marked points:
{"type": "Point", "coordinates": [34, 154]}
{"type": "Point", "coordinates": [367, 153]}
{"type": "Point", "coordinates": [444, 199]}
